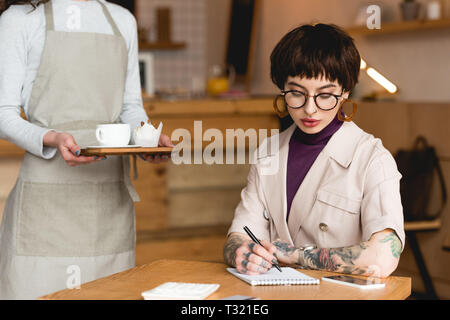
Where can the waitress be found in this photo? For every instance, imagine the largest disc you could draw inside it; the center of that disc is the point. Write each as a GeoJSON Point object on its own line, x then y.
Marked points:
{"type": "Point", "coordinates": [334, 202]}
{"type": "Point", "coordinates": [72, 65]}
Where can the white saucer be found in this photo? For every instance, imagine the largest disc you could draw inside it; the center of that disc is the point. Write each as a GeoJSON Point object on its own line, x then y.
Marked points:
{"type": "Point", "coordinates": [111, 147]}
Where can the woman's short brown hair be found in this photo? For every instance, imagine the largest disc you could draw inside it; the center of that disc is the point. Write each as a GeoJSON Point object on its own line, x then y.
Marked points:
{"type": "Point", "coordinates": [315, 51]}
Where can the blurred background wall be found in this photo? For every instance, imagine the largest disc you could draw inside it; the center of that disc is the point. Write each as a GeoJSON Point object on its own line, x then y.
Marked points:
{"type": "Point", "coordinates": [403, 58]}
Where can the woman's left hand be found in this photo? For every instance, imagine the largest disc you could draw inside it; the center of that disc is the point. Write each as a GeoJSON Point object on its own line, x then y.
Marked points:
{"type": "Point", "coordinates": [164, 141]}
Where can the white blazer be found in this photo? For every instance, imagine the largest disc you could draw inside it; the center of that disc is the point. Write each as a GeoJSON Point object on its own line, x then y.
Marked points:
{"type": "Point", "coordinates": [351, 191]}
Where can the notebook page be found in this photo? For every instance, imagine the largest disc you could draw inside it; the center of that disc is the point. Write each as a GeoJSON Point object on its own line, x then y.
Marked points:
{"type": "Point", "coordinates": [275, 277]}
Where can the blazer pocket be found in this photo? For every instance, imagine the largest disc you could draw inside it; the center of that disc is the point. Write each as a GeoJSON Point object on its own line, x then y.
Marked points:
{"type": "Point", "coordinates": [340, 202]}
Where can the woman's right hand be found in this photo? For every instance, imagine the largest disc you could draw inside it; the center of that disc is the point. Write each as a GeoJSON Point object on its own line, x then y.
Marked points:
{"type": "Point", "coordinates": [68, 148]}
{"type": "Point", "coordinates": [247, 256]}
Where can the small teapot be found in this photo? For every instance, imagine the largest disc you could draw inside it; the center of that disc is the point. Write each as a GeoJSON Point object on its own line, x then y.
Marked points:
{"type": "Point", "coordinates": [147, 135]}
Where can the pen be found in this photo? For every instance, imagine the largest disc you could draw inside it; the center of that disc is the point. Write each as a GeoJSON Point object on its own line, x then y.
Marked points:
{"type": "Point", "coordinates": [252, 236]}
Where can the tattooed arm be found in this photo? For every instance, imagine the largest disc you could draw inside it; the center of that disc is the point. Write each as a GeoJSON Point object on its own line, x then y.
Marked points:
{"type": "Point", "coordinates": [377, 257]}
{"type": "Point", "coordinates": [247, 256]}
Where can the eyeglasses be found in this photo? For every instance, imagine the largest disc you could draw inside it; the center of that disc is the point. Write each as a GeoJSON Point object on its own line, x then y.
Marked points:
{"type": "Point", "coordinates": [296, 99]}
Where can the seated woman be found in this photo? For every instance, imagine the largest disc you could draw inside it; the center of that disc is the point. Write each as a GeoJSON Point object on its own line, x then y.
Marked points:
{"type": "Point", "coordinates": [334, 201]}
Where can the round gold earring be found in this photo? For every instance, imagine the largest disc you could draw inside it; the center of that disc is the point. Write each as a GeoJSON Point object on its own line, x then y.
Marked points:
{"type": "Point", "coordinates": [350, 117]}
{"type": "Point", "coordinates": [280, 113]}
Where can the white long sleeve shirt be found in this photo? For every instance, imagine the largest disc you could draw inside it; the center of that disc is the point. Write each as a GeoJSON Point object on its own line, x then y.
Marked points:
{"type": "Point", "coordinates": [22, 38]}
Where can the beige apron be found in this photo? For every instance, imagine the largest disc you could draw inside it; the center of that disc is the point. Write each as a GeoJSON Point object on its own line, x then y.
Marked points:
{"type": "Point", "coordinates": [61, 222]}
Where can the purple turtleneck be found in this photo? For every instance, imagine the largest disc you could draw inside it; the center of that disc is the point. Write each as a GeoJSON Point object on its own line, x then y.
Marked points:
{"type": "Point", "coordinates": [303, 151]}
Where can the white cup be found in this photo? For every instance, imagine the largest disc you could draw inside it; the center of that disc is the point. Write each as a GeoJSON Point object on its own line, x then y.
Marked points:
{"type": "Point", "coordinates": [113, 135]}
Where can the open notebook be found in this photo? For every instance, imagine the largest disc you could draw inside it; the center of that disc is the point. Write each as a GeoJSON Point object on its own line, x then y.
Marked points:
{"type": "Point", "coordinates": [275, 277]}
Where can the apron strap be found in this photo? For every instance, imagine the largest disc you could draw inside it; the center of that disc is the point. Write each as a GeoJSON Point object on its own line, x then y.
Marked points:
{"type": "Point", "coordinates": [127, 180]}
{"type": "Point", "coordinates": [110, 19]}
{"type": "Point", "coordinates": [135, 170]}
{"type": "Point", "coordinates": [49, 24]}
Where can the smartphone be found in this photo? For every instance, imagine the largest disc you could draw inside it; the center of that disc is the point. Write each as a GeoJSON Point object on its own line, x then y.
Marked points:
{"type": "Point", "coordinates": [370, 283]}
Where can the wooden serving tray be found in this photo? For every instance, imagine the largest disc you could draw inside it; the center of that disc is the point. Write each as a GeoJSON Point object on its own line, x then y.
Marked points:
{"type": "Point", "coordinates": [124, 151]}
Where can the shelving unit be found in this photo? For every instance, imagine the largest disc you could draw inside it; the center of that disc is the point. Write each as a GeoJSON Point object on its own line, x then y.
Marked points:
{"type": "Point", "coordinates": [161, 45]}
{"type": "Point", "coordinates": [401, 27]}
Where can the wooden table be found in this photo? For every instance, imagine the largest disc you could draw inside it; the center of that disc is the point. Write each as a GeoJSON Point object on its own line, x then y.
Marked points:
{"type": "Point", "coordinates": [129, 284]}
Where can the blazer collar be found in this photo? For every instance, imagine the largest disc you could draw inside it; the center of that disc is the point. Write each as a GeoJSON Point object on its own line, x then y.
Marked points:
{"type": "Point", "coordinates": [343, 144]}
{"type": "Point", "coordinates": [341, 147]}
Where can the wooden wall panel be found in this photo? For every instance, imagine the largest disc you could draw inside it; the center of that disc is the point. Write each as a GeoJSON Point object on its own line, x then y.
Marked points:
{"type": "Point", "coordinates": [432, 121]}
{"type": "Point", "coordinates": [388, 121]}
{"type": "Point", "coordinates": [207, 248]}
{"type": "Point", "coordinates": [203, 207]}
{"type": "Point", "coordinates": [191, 177]}
{"type": "Point", "coordinates": [151, 211]}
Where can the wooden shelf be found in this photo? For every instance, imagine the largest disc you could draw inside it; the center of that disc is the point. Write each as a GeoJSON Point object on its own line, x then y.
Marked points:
{"type": "Point", "coordinates": [401, 27]}
{"type": "Point", "coordinates": [423, 225]}
{"type": "Point", "coordinates": [161, 45]}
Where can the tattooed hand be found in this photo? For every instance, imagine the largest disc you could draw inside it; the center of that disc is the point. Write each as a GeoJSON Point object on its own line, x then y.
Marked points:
{"type": "Point", "coordinates": [247, 256]}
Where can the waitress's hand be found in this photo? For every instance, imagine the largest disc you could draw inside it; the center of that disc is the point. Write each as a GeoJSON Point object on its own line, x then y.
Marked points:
{"type": "Point", "coordinates": [164, 141]}
{"type": "Point", "coordinates": [68, 148]}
